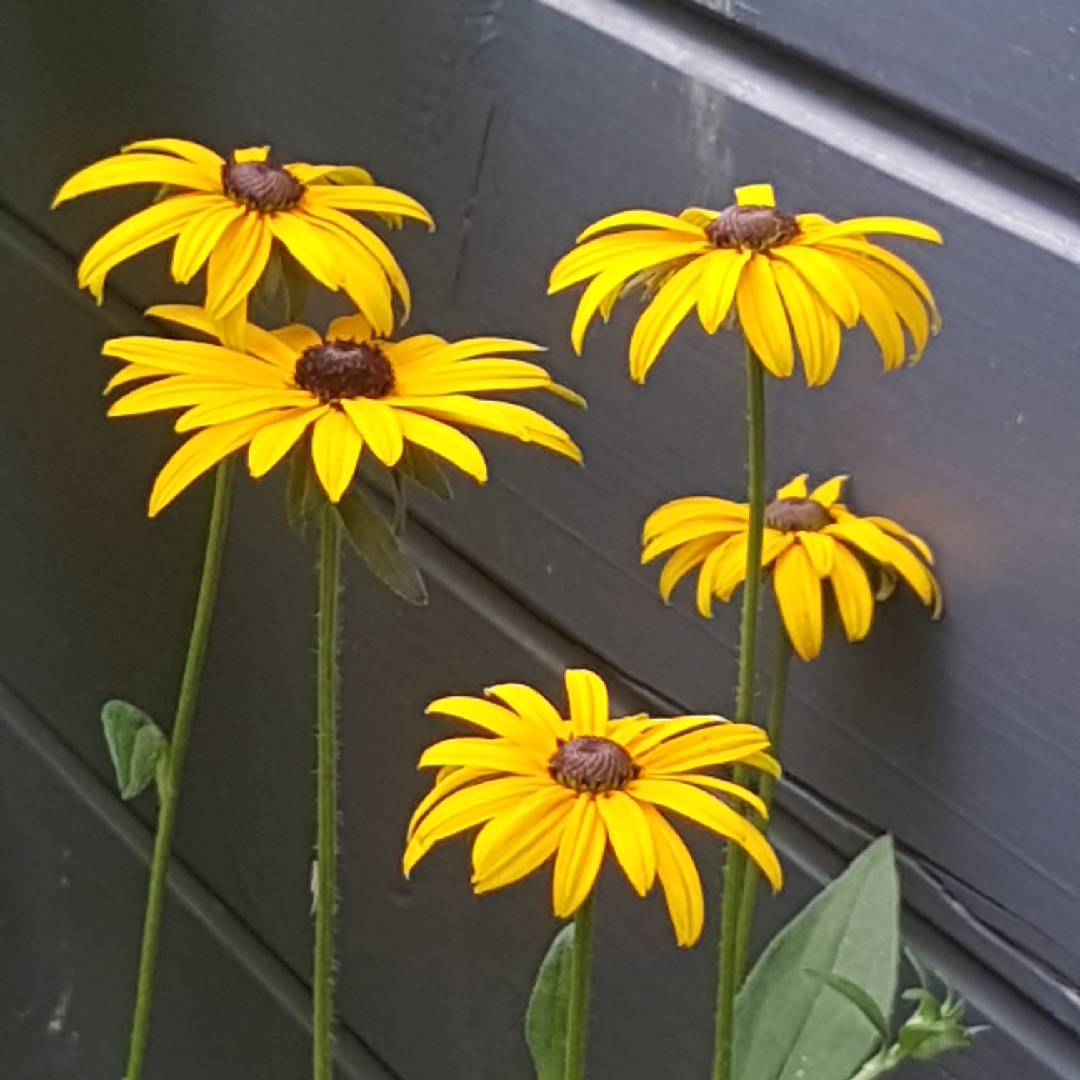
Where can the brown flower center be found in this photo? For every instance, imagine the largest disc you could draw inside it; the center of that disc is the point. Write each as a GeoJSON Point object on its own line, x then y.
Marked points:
{"type": "Point", "coordinates": [261, 185]}
{"type": "Point", "coordinates": [796, 515]}
{"type": "Point", "coordinates": [588, 763]}
{"type": "Point", "coordinates": [344, 369]}
{"type": "Point", "coordinates": [752, 228]}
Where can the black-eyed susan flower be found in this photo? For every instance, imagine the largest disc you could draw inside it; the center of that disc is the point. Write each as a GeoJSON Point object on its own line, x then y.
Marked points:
{"type": "Point", "coordinates": [779, 272]}
{"type": "Point", "coordinates": [227, 215]}
{"type": "Point", "coordinates": [547, 787]}
{"type": "Point", "coordinates": [349, 389]}
{"type": "Point", "coordinates": [809, 539]}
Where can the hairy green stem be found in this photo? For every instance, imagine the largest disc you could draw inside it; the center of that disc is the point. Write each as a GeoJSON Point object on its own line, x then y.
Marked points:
{"type": "Point", "coordinates": [327, 793]}
{"type": "Point", "coordinates": [735, 865]}
{"type": "Point", "coordinates": [774, 726]}
{"type": "Point", "coordinates": [169, 790]}
{"type": "Point", "coordinates": [580, 972]}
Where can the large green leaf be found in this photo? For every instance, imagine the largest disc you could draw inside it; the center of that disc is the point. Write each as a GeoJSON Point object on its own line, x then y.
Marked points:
{"type": "Point", "coordinates": [789, 1023]}
{"type": "Point", "coordinates": [377, 545]}
{"type": "Point", "coordinates": [137, 745]}
{"type": "Point", "coordinates": [549, 1008]}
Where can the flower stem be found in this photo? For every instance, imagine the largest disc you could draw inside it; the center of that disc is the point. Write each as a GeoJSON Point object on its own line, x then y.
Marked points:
{"type": "Point", "coordinates": [580, 971]}
{"type": "Point", "coordinates": [774, 725]}
{"type": "Point", "coordinates": [169, 790]}
{"type": "Point", "coordinates": [735, 866]}
{"type": "Point", "coordinates": [325, 879]}
{"type": "Point", "coordinates": [327, 795]}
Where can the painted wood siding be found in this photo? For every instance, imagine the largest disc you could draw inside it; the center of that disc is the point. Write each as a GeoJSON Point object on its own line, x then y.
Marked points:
{"type": "Point", "coordinates": [517, 122]}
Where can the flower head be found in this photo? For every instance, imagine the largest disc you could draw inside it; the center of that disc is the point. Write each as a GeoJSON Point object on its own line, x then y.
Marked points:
{"type": "Point", "coordinates": [772, 268]}
{"type": "Point", "coordinates": [228, 214]}
{"type": "Point", "coordinates": [809, 539]}
{"type": "Point", "coordinates": [351, 388]}
{"type": "Point", "coordinates": [547, 787]}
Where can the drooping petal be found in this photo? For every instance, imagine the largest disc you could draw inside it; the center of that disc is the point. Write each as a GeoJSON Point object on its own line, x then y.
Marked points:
{"type": "Point", "coordinates": [270, 444]}
{"type": "Point", "coordinates": [681, 563]}
{"type": "Point", "coordinates": [378, 426]}
{"type": "Point", "coordinates": [450, 444]}
{"type": "Point", "coordinates": [678, 878]}
{"type": "Point", "coordinates": [631, 838]}
{"type": "Point", "coordinates": [236, 263]}
{"type": "Point", "coordinates": [123, 169]}
{"type": "Point", "coordinates": [714, 815]}
{"type": "Point", "coordinates": [826, 277]}
{"type": "Point", "coordinates": [446, 783]}
{"type": "Point", "coordinates": [763, 319]}
{"type": "Point", "coordinates": [580, 854]}
{"type": "Point", "coordinates": [820, 550]}
{"type": "Point", "coordinates": [335, 452]}
{"type": "Point", "coordinates": [689, 508]}
{"type": "Point", "coordinates": [798, 594]}
{"type": "Point", "coordinates": [199, 454]}
{"type": "Point", "coordinates": [673, 302]}
{"type": "Point", "coordinates": [198, 238]}
{"type": "Point", "coordinates": [895, 226]}
{"type": "Point", "coordinates": [854, 597]}
{"type": "Point", "coordinates": [702, 748]}
{"type": "Point", "coordinates": [641, 219]}
{"type": "Point", "coordinates": [719, 281]}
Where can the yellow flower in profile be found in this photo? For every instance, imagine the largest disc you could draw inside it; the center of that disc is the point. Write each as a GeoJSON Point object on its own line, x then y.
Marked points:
{"type": "Point", "coordinates": [227, 214]}
{"type": "Point", "coordinates": [351, 388]}
{"type": "Point", "coordinates": [543, 786]}
{"type": "Point", "coordinates": [809, 539]}
{"type": "Point", "coordinates": [773, 269]}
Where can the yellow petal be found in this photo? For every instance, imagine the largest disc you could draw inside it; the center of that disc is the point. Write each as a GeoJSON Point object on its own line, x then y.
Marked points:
{"type": "Point", "coordinates": [123, 169]}
{"type": "Point", "coordinates": [762, 317]}
{"type": "Point", "coordinates": [631, 838]}
{"type": "Point", "coordinates": [232, 404]}
{"type": "Point", "coordinates": [719, 280]}
{"type": "Point", "coordinates": [175, 392]}
{"type": "Point", "coordinates": [378, 426]}
{"type": "Point", "coordinates": [446, 441]}
{"type": "Point", "coordinates": [641, 218]}
{"type": "Point", "coordinates": [143, 230]}
{"type": "Point", "coordinates": [299, 338]}
{"type": "Point", "coordinates": [672, 303]}
{"type": "Point", "coordinates": [316, 250]}
{"type": "Point", "coordinates": [854, 597]}
{"type": "Point", "coordinates": [826, 494]}
{"type": "Point", "coordinates": [210, 162]}
{"type": "Point", "coordinates": [820, 550]}
{"type": "Point", "coordinates": [895, 226]}
{"type": "Point", "coordinates": [236, 263]}
{"type": "Point", "coordinates": [356, 328]}
{"type": "Point", "coordinates": [495, 754]}
{"type": "Point", "coordinates": [688, 508]}
{"type": "Point", "coordinates": [681, 563]}
{"type": "Point", "coordinates": [703, 748]}
{"type": "Point", "coordinates": [712, 814]}
{"type": "Point", "coordinates": [794, 489]}
{"type": "Point", "coordinates": [655, 248]}
{"type": "Point", "coordinates": [581, 852]}
{"type": "Point", "coordinates": [679, 879]}
{"type": "Point", "coordinates": [251, 154]}
{"type": "Point", "coordinates": [196, 456]}
{"type": "Point", "coordinates": [273, 442]}
{"type": "Point", "coordinates": [447, 781]}
{"type": "Point", "coordinates": [494, 719]}
{"type": "Point", "coordinates": [335, 452]}
{"type": "Point", "coordinates": [370, 197]}
{"type": "Point", "coordinates": [806, 321]}
{"type": "Point", "coordinates": [198, 238]}
{"type": "Point", "coordinates": [755, 195]}
{"type": "Point", "coordinates": [514, 844]}
{"type": "Point", "coordinates": [798, 594]}
{"type": "Point", "coordinates": [726, 787]}
{"type": "Point", "coordinates": [825, 275]}
{"type": "Point", "coordinates": [531, 705]}
{"type": "Point", "coordinates": [587, 696]}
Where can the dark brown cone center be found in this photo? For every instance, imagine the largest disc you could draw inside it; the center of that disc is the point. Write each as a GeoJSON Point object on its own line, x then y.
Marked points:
{"type": "Point", "coordinates": [261, 186]}
{"type": "Point", "coordinates": [752, 228]}
{"type": "Point", "coordinates": [589, 763]}
{"type": "Point", "coordinates": [344, 369]}
{"type": "Point", "coordinates": [796, 515]}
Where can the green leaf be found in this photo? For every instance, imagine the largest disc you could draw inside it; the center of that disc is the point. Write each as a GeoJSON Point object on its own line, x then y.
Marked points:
{"type": "Point", "coordinates": [549, 1008]}
{"type": "Point", "coordinates": [137, 745]}
{"type": "Point", "coordinates": [296, 282]}
{"type": "Point", "coordinates": [377, 545]}
{"type": "Point", "coordinates": [790, 1025]}
{"type": "Point", "coordinates": [302, 491]}
{"type": "Point", "coordinates": [421, 466]}
{"type": "Point", "coordinates": [858, 997]}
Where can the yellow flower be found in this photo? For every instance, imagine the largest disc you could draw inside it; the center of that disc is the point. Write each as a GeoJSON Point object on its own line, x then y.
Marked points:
{"type": "Point", "coordinates": [351, 389]}
{"type": "Point", "coordinates": [227, 214]}
{"type": "Point", "coordinates": [545, 786]}
{"type": "Point", "coordinates": [808, 539]}
{"type": "Point", "coordinates": [769, 266]}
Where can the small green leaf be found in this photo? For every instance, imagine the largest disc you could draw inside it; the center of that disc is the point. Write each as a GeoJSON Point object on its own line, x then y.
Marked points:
{"type": "Point", "coordinates": [137, 745]}
{"type": "Point", "coordinates": [377, 545]}
{"type": "Point", "coordinates": [269, 285]}
{"type": "Point", "coordinates": [549, 1008]}
{"type": "Point", "coordinates": [790, 1025]}
{"type": "Point", "coordinates": [858, 997]}
{"type": "Point", "coordinates": [421, 466]}
{"type": "Point", "coordinates": [346, 174]}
